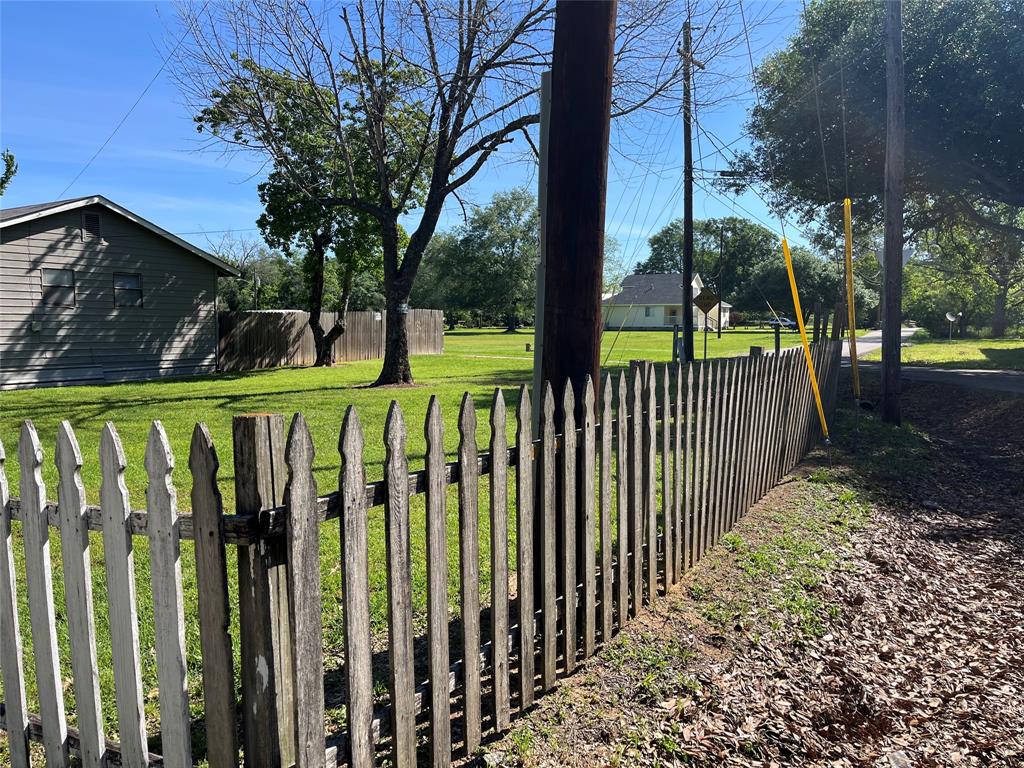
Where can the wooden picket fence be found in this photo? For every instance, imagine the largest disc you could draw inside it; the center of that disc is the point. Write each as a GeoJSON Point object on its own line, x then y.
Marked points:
{"type": "Point", "coordinates": [275, 338]}
{"type": "Point", "coordinates": [609, 515]}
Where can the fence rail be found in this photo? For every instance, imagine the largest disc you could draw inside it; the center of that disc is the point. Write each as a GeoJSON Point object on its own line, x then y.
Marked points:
{"type": "Point", "coordinates": [271, 339]}
{"type": "Point", "coordinates": [650, 470]}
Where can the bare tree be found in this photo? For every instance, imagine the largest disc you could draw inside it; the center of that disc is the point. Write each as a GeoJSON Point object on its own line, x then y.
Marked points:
{"type": "Point", "coordinates": [433, 88]}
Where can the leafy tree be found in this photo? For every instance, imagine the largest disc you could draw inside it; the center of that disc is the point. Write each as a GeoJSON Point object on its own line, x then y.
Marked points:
{"type": "Point", "coordinates": [964, 114]}
{"type": "Point", "coordinates": [10, 168]}
{"type": "Point", "coordinates": [425, 91]}
{"type": "Point", "coordinates": [725, 251]}
{"type": "Point", "coordinates": [978, 271]}
{"type": "Point", "coordinates": [491, 262]}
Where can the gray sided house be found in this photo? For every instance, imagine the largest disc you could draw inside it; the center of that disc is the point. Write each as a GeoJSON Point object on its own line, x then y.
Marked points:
{"type": "Point", "coordinates": [91, 292]}
{"type": "Point", "coordinates": [654, 302]}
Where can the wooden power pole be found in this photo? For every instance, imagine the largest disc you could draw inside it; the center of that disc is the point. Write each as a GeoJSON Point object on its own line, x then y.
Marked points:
{"type": "Point", "coordinates": [581, 95]}
{"type": "Point", "coordinates": [892, 285]}
{"type": "Point", "coordinates": [687, 307]}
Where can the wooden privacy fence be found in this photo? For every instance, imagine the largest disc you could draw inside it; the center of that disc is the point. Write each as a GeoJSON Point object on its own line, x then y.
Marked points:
{"type": "Point", "coordinates": [274, 338]}
{"type": "Point", "coordinates": [608, 515]}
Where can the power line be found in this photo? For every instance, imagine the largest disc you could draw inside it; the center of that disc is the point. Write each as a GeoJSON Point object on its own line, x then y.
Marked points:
{"type": "Point", "coordinates": [131, 109]}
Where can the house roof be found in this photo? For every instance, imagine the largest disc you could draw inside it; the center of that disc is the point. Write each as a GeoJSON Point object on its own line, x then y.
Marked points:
{"type": "Point", "coordinates": [21, 214]}
{"type": "Point", "coordinates": [658, 289]}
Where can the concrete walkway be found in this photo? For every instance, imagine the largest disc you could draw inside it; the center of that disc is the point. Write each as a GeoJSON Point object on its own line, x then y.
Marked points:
{"type": "Point", "coordinates": [973, 378]}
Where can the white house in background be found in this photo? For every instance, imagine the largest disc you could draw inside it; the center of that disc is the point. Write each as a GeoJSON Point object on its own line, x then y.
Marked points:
{"type": "Point", "coordinates": [655, 301]}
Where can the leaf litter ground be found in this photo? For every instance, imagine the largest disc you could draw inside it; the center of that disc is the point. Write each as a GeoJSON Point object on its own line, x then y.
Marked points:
{"type": "Point", "coordinates": [868, 612]}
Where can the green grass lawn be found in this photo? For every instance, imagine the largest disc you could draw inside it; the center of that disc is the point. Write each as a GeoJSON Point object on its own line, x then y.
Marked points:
{"type": "Point", "coordinates": [475, 360]}
{"type": "Point", "coordinates": [1005, 354]}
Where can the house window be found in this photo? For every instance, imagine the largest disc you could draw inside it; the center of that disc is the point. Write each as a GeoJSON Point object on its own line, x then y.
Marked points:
{"type": "Point", "coordinates": [647, 311]}
{"type": "Point", "coordinates": [91, 226]}
{"type": "Point", "coordinates": [127, 289]}
{"type": "Point", "coordinates": [59, 287]}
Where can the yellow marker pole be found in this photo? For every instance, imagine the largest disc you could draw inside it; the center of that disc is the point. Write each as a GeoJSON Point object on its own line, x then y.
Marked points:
{"type": "Point", "coordinates": [803, 337]}
{"type": "Point", "coordinates": [851, 311]}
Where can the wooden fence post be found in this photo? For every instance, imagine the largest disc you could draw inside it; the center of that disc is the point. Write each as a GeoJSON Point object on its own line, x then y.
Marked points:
{"type": "Point", "coordinates": [268, 710]}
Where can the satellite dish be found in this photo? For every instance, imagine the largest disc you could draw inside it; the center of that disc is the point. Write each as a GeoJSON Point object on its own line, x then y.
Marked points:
{"type": "Point", "coordinates": [951, 317]}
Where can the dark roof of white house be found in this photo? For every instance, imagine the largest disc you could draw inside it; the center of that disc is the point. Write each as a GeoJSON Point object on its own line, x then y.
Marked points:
{"type": "Point", "coordinates": [23, 213]}
{"type": "Point", "coordinates": [654, 289]}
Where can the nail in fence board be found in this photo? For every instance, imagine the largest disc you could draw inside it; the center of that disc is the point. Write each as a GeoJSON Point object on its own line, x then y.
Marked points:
{"type": "Point", "coordinates": [524, 547]}
{"type": "Point", "coordinates": [39, 577]}
{"type": "Point", "coordinates": [499, 564]}
{"type": "Point", "coordinates": [607, 585]}
{"type": "Point", "coordinates": [302, 538]}
{"type": "Point", "coordinates": [355, 574]}
{"type": "Point", "coordinates": [74, 540]}
{"type": "Point", "coordinates": [168, 605]}
{"type": "Point", "coordinates": [622, 502]}
{"type": "Point", "coordinates": [588, 458]}
{"type": "Point", "coordinates": [469, 571]}
{"type": "Point", "coordinates": [549, 586]}
{"type": "Point", "coordinates": [214, 607]}
{"type": "Point", "coordinates": [401, 680]}
{"type": "Point", "coordinates": [11, 656]}
{"type": "Point", "coordinates": [570, 468]}
{"type": "Point", "coordinates": [437, 588]}
{"type": "Point", "coordinates": [118, 555]}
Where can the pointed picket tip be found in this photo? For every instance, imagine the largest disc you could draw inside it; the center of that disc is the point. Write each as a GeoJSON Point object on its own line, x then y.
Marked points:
{"type": "Point", "coordinates": [300, 443]}
{"type": "Point", "coordinates": [351, 437]}
{"type": "Point", "coordinates": [689, 374]}
{"type": "Point", "coordinates": [588, 393]}
{"type": "Point", "coordinates": [497, 403]}
{"type": "Point", "coordinates": [523, 408]}
{"type": "Point", "coordinates": [68, 454]}
{"type": "Point", "coordinates": [568, 400]}
{"type": "Point", "coordinates": [202, 452]}
{"type": "Point", "coordinates": [159, 458]}
{"type": "Point", "coordinates": [394, 424]}
{"type": "Point", "coordinates": [548, 397]}
{"type": "Point", "coordinates": [110, 444]}
{"type": "Point", "coordinates": [29, 449]}
{"type": "Point", "coordinates": [467, 413]}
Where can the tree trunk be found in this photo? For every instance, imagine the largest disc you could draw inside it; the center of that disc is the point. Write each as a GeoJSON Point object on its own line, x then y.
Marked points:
{"type": "Point", "coordinates": [323, 341]}
{"type": "Point", "coordinates": [511, 323]}
{"type": "Point", "coordinates": [396, 369]}
{"type": "Point", "coordinates": [999, 313]}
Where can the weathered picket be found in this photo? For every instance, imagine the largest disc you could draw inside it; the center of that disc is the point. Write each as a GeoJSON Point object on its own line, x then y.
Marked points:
{"type": "Point", "coordinates": [603, 526]}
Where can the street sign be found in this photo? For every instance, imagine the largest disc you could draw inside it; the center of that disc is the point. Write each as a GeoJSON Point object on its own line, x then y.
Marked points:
{"type": "Point", "coordinates": [706, 300]}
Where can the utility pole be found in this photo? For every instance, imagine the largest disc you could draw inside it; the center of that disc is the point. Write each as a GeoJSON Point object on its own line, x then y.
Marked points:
{"type": "Point", "coordinates": [580, 117]}
{"type": "Point", "coordinates": [719, 286]}
{"type": "Point", "coordinates": [892, 282]}
{"type": "Point", "coordinates": [542, 262]}
{"type": "Point", "coordinates": [687, 54]}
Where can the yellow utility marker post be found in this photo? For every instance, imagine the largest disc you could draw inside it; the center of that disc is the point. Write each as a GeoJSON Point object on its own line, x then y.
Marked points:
{"type": "Point", "coordinates": [851, 312]}
{"type": "Point", "coordinates": [803, 337]}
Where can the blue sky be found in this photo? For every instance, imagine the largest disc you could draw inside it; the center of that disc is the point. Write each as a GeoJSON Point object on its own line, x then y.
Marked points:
{"type": "Point", "coordinates": [69, 72]}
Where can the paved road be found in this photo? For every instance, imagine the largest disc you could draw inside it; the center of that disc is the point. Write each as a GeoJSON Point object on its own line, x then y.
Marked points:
{"type": "Point", "coordinates": [872, 341]}
{"type": "Point", "coordinates": [1002, 381]}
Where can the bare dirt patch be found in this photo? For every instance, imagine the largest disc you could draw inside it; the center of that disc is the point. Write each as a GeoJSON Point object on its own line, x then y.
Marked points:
{"type": "Point", "coordinates": [869, 611]}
